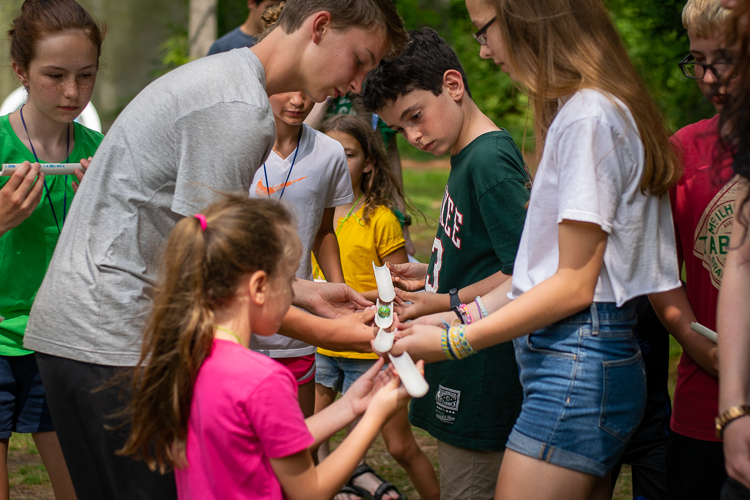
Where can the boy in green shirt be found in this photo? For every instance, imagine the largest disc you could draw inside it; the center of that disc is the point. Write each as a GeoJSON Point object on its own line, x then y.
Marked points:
{"type": "Point", "coordinates": [473, 403]}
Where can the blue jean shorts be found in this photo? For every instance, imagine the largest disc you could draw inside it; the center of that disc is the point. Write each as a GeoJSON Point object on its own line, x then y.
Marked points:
{"type": "Point", "coordinates": [584, 389]}
{"type": "Point", "coordinates": [23, 404]}
{"type": "Point", "coordinates": [339, 373]}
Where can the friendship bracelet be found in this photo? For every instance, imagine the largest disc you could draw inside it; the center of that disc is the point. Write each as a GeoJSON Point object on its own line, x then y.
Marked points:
{"type": "Point", "coordinates": [457, 339]}
{"type": "Point", "coordinates": [466, 313]}
{"type": "Point", "coordinates": [480, 305]}
{"type": "Point", "coordinates": [447, 350]}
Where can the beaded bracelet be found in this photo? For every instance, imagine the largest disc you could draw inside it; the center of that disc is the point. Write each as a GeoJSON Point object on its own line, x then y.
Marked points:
{"type": "Point", "coordinates": [466, 313]}
{"type": "Point", "coordinates": [480, 305]}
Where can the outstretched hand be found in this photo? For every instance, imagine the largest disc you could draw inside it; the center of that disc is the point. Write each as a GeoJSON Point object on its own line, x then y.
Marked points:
{"type": "Point", "coordinates": [328, 300]}
{"type": "Point", "coordinates": [409, 276]}
{"type": "Point", "coordinates": [392, 397]}
{"type": "Point", "coordinates": [361, 392]}
{"type": "Point", "coordinates": [20, 196]}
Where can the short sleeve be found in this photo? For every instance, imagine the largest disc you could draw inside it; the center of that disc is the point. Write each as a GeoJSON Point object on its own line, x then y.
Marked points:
{"type": "Point", "coordinates": [219, 148]}
{"type": "Point", "coordinates": [341, 181]}
{"type": "Point", "coordinates": [273, 410]}
{"type": "Point", "coordinates": [594, 165]}
{"type": "Point", "coordinates": [389, 236]}
{"type": "Point", "coordinates": [504, 211]}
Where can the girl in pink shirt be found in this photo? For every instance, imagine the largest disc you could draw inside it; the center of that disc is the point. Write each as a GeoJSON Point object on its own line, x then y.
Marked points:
{"type": "Point", "coordinates": [226, 418]}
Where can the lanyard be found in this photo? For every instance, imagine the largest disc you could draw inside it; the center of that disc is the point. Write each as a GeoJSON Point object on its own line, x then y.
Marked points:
{"type": "Point", "coordinates": [65, 179]}
{"type": "Point", "coordinates": [350, 214]}
{"type": "Point", "coordinates": [294, 159]}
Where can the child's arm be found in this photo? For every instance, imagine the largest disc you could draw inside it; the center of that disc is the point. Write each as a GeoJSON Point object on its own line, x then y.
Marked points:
{"type": "Point", "coordinates": [676, 313]}
{"type": "Point", "coordinates": [429, 302]}
{"type": "Point", "coordinates": [409, 276]}
{"type": "Point", "coordinates": [733, 320]}
{"type": "Point", "coordinates": [326, 249]}
{"type": "Point", "coordinates": [569, 290]}
{"type": "Point", "coordinates": [297, 474]}
{"type": "Point", "coordinates": [352, 332]}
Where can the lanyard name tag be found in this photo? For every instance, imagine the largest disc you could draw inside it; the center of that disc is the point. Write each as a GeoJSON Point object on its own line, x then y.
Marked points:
{"type": "Point", "coordinates": [45, 168]}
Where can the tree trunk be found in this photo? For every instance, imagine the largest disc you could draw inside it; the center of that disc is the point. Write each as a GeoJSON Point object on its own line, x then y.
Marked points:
{"type": "Point", "coordinates": [202, 26]}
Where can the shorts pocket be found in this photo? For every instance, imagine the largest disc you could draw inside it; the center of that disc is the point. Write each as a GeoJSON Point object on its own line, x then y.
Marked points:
{"type": "Point", "coordinates": [623, 397]}
{"type": "Point", "coordinates": [550, 343]}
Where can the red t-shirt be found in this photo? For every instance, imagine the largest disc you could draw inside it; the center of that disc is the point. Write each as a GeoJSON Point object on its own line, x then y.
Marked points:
{"type": "Point", "coordinates": [702, 203]}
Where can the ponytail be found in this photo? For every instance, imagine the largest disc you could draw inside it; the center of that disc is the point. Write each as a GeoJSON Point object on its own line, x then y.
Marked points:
{"type": "Point", "coordinates": [200, 273]}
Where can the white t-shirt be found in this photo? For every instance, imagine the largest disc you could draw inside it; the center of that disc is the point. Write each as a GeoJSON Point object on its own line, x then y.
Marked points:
{"type": "Point", "coordinates": [590, 172]}
{"type": "Point", "coordinates": [319, 179]}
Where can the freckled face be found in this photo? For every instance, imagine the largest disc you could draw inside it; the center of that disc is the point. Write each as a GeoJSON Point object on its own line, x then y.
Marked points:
{"type": "Point", "coordinates": [61, 77]}
{"type": "Point", "coordinates": [291, 107]}
{"type": "Point", "coordinates": [420, 116]}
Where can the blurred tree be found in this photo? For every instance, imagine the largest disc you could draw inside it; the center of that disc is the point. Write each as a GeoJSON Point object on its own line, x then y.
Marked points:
{"type": "Point", "coordinates": [652, 32]}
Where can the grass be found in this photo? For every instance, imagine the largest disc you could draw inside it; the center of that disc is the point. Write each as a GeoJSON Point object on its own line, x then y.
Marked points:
{"type": "Point", "coordinates": [28, 478]}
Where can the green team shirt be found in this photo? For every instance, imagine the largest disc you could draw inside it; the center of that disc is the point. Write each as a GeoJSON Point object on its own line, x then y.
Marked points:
{"type": "Point", "coordinates": [26, 250]}
{"type": "Point", "coordinates": [473, 403]}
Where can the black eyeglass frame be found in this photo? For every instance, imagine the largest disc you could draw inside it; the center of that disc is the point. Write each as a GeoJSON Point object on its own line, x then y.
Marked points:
{"type": "Point", "coordinates": [690, 59]}
{"type": "Point", "coordinates": [481, 35]}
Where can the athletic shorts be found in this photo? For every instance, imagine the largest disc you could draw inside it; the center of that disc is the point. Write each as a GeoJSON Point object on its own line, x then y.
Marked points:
{"type": "Point", "coordinates": [584, 389]}
{"type": "Point", "coordinates": [302, 367]}
{"type": "Point", "coordinates": [23, 404]}
{"type": "Point", "coordinates": [340, 373]}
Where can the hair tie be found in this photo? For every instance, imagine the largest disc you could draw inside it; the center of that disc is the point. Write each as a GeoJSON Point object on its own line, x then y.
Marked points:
{"type": "Point", "coordinates": [202, 219]}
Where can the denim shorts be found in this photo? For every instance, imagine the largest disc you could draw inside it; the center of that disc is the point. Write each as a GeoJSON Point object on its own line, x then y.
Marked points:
{"type": "Point", "coordinates": [339, 373]}
{"type": "Point", "coordinates": [584, 389]}
{"type": "Point", "coordinates": [23, 404]}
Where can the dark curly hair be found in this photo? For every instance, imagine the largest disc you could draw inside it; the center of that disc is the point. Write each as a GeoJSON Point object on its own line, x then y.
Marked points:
{"type": "Point", "coordinates": [420, 66]}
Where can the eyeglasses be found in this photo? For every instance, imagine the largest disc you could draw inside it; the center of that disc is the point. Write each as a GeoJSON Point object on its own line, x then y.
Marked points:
{"type": "Point", "coordinates": [696, 71]}
{"type": "Point", "coordinates": [481, 35]}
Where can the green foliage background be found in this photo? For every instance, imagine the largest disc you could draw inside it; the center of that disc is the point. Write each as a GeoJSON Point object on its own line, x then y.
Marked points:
{"type": "Point", "coordinates": [652, 31]}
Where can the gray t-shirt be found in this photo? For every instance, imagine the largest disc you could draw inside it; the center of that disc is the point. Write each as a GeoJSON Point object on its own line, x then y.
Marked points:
{"type": "Point", "coordinates": [205, 126]}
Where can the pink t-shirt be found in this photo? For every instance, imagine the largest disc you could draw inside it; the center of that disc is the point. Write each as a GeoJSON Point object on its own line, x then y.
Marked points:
{"type": "Point", "coordinates": [702, 203]}
{"type": "Point", "coordinates": [244, 412]}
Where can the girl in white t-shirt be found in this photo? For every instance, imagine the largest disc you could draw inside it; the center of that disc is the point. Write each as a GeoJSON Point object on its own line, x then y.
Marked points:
{"type": "Point", "coordinates": [306, 171]}
{"type": "Point", "coordinates": [598, 234]}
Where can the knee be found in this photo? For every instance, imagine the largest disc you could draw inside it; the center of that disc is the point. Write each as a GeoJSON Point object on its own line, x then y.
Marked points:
{"type": "Point", "coordinates": [403, 451]}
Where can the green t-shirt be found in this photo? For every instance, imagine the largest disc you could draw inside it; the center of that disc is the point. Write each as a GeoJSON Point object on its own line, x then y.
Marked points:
{"type": "Point", "coordinates": [473, 403]}
{"type": "Point", "coordinates": [26, 250]}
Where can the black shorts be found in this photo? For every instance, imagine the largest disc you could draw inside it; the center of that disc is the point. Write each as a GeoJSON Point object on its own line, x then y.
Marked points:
{"type": "Point", "coordinates": [82, 408]}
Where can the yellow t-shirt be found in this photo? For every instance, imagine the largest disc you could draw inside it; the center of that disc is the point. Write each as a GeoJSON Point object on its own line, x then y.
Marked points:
{"type": "Point", "coordinates": [360, 245]}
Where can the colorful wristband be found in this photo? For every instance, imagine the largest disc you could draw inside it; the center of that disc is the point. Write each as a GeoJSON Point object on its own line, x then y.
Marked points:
{"type": "Point", "coordinates": [466, 313]}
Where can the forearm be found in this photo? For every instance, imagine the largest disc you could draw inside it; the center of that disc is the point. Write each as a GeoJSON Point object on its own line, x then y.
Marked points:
{"type": "Point", "coordinates": [676, 313]}
{"type": "Point", "coordinates": [484, 287]}
{"type": "Point", "coordinates": [315, 118]}
{"type": "Point", "coordinates": [733, 320]}
{"type": "Point", "coordinates": [552, 300]}
{"type": "Point", "coordinates": [327, 422]}
{"type": "Point", "coordinates": [326, 251]}
{"type": "Point", "coordinates": [332, 334]}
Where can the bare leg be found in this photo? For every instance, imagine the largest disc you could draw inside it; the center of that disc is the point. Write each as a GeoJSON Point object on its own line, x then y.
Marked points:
{"type": "Point", "coordinates": [402, 446]}
{"type": "Point", "coordinates": [4, 486]}
{"type": "Point", "coordinates": [525, 478]}
{"type": "Point", "coordinates": [54, 462]}
{"type": "Point", "coordinates": [306, 396]}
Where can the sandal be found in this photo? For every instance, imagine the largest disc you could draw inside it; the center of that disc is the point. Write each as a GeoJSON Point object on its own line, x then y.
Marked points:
{"type": "Point", "coordinates": [384, 487]}
{"type": "Point", "coordinates": [351, 489]}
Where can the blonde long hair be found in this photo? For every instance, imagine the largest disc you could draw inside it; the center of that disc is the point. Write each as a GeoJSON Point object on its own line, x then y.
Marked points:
{"type": "Point", "coordinates": [558, 47]}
